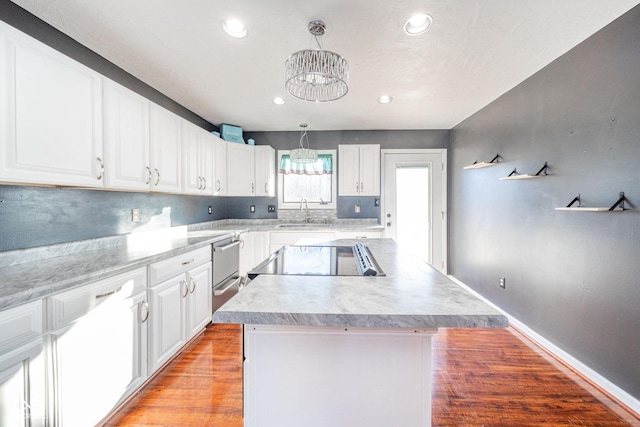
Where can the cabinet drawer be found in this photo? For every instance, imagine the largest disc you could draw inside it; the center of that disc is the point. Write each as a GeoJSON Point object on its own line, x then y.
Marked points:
{"type": "Point", "coordinates": [68, 306]}
{"type": "Point", "coordinates": [20, 324]}
{"type": "Point", "coordinates": [168, 268]}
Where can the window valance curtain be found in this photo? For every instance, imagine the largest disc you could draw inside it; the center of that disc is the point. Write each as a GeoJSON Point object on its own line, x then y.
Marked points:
{"type": "Point", "coordinates": [323, 166]}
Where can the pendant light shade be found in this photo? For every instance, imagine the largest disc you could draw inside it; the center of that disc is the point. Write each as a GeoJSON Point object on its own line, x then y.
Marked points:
{"type": "Point", "coordinates": [303, 155]}
{"type": "Point", "coordinates": [315, 74]}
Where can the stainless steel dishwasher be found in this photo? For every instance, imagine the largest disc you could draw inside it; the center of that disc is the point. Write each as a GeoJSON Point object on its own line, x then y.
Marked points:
{"type": "Point", "coordinates": [226, 278]}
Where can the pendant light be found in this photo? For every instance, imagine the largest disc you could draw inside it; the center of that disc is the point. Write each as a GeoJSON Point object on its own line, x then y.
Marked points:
{"type": "Point", "coordinates": [303, 155]}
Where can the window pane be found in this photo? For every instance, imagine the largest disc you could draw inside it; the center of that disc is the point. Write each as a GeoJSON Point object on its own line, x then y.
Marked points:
{"type": "Point", "coordinates": [310, 187]}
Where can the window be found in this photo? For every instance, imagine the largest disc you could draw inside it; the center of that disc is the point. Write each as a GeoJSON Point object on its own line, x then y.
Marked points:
{"type": "Point", "coordinates": [315, 182]}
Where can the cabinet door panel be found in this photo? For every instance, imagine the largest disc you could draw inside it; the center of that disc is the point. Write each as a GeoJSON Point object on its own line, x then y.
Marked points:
{"type": "Point", "coordinates": [191, 176]}
{"type": "Point", "coordinates": [167, 320]}
{"type": "Point", "coordinates": [370, 170]}
{"type": "Point", "coordinates": [200, 293]}
{"type": "Point", "coordinates": [265, 158]}
{"type": "Point", "coordinates": [348, 170]}
{"type": "Point", "coordinates": [205, 142]}
{"type": "Point", "coordinates": [52, 115]}
{"type": "Point", "coordinates": [240, 170]}
{"type": "Point", "coordinates": [220, 167]}
{"type": "Point", "coordinates": [165, 150]}
{"type": "Point", "coordinates": [126, 138]}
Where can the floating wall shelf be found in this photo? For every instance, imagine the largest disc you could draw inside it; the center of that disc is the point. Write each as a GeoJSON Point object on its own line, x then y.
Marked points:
{"type": "Point", "coordinates": [515, 175]}
{"type": "Point", "coordinates": [616, 207]}
{"type": "Point", "coordinates": [478, 165]}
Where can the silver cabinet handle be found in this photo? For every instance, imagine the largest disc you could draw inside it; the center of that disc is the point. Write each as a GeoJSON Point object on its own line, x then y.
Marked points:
{"type": "Point", "coordinates": [266, 188]}
{"type": "Point", "coordinates": [193, 282]}
{"type": "Point", "coordinates": [188, 261]}
{"type": "Point", "coordinates": [149, 175]}
{"type": "Point", "coordinates": [144, 305]}
{"type": "Point", "coordinates": [183, 283]}
{"type": "Point", "coordinates": [219, 185]}
{"type": "Point", "coordinates": [357, 186]}
{"type": "Point", "coordinates": [232, 282]}
{"type": "Point", "coordinates": [361, 187]}
{"type": "Point", "coordinates": [253, 187]}
{"type": "Point", "coordinates": [227, 247]}
{"type": "Point", "coordinates": [199, 183]}
{"type": "Point", "coordinates": [157, 176]}
{"type": "Point", "coordinates": [101, 174]}
{"type": "Point", "coordinates": [204, 180]}
{"type": "Point", "coordinates": [106, 294]}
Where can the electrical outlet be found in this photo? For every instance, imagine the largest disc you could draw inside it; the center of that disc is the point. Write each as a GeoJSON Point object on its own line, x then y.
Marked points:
{"type": "Point", "coordinates": [271, 208]}
{"type": "Point", "coordinates": [135, 214]}
{"type": "Point", "coordinates": [252, 208]}
{"type": "Point", "coordinates": [502, 282]}
{"type": "Point", "coordinates": [357, 208]}
{"type": "Point", "coordinates": [376, 202]}
{"type": "Point", "coordinates": [210, 210]}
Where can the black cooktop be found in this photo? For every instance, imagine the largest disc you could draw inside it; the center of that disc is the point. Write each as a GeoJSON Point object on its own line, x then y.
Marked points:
{"type": "Point", "coordinates": [319, 261]}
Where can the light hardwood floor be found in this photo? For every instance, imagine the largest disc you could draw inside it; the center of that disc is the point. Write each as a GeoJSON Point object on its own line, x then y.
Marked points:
{"type": "Point", "coordinates": [481, 377]}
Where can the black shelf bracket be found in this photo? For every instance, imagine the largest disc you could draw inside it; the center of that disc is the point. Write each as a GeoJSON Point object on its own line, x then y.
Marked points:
{"type": "Point", "coordinates": [494, 160]}
{"type": "Point", "coordinates": [513, 172]}
{"type": "Point", "coordinates": [620, 202]}
{"type": "Point", "coordinates": [543, 169]}
{"type": "Point", "coordinates": [575, 199]}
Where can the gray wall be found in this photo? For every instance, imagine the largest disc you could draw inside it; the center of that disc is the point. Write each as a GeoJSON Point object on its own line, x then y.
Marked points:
{"type": "Point", "coordinates": [574, 277]}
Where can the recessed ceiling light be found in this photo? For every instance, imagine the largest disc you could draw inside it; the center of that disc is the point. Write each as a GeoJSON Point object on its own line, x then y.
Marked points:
{"type": "Point", "coordinates": [385, 99]}
{"type": "Point", "coordinates": [278, 101]}
{"type": "Point", "coordinates": [234, 28]}
{"type": "Point", "coordinates": [417, 24]}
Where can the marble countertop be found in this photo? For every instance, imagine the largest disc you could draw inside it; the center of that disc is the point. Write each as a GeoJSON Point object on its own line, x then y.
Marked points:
{"type": "Point", "coordinates": [411, 295]}
{"type": "Point", "coordinates": [30, 274]}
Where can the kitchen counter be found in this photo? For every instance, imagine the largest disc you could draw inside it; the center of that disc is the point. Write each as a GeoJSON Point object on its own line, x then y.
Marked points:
{"type": "Point", "coordinates": [411, 295]}
{"type": "Point", "coordinates": [38, 272]}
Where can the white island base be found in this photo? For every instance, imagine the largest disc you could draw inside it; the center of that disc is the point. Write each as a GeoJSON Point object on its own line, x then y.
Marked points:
{"type": "Point", "coordinates": [339, 377]}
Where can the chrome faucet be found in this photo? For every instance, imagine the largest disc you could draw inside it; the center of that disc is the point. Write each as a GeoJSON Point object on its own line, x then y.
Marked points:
{"type": "Point", "coordinates": [306, 210]}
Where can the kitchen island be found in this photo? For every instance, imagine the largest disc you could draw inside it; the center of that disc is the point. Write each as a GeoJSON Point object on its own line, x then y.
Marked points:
{"type": "Point", "coordinates": [348, 350]}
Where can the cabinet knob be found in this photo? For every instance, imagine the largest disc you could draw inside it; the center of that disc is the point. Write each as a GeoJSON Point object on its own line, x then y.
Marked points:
{"type": "Point", "coordinates": [388, 224]}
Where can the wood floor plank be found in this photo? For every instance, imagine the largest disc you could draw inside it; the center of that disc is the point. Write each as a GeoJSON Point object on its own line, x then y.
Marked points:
{"type": "Point", "coordinates": [481, 377]}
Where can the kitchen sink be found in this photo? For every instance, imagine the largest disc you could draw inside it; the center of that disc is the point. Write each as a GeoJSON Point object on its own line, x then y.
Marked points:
{"type": "Point", "coordinates": [304, 225]}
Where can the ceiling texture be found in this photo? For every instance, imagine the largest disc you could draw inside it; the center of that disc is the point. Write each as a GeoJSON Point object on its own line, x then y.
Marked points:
{"type": "Point", "coordinates": [474, 51]}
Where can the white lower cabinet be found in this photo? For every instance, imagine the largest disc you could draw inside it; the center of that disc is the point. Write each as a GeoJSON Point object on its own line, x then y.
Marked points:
{"type": "Point", "coordinates": [98, 343]}
{"type": "Point", "coordinates": [180, 297]}
{"type": "Point", "coordinates": [98, 347]}
{"type": "Point", "coordinates": [254, 248]}
{"type": "Point", "coordinates": [22, 367]}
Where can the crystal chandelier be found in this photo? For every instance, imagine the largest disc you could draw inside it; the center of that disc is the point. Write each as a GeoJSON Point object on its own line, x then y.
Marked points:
{"type": "Point", "coordinates": [315, 74]}
{"type": "Point", "coordinates": [303, 155]}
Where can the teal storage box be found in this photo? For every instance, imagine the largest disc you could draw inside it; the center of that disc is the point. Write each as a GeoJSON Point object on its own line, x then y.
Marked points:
{"type": "Point", "coordinates": [231, 133]}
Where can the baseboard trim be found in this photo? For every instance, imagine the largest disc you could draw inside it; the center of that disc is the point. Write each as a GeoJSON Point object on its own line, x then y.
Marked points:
{"type": "Point", "coordinates": [631, 403]}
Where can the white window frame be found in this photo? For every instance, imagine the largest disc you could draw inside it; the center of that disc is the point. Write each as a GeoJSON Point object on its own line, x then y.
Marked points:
{"type": "Point", "coordinates": [312, 205]}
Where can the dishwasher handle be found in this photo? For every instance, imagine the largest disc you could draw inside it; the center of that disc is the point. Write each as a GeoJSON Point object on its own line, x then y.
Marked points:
{"type": "Point", "coordinates": [231, 283]}
{"type": "Point", "coordinates": [226, 247]}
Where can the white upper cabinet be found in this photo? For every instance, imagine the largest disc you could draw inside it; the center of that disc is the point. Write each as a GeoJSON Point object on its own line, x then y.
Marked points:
{"type": "Point", "coordinates": [220, 166]}
{"type": "Point", "coordinates": [197, 157]}
{"type": "Point", "coordinates": [359, 170]}
{"type": "Point", "coordinates": [126, 138]}
{"type": "Point", "coordinates": [240, 170]}
{"type": "Point", "coordinates": [165, 149]}
{"type": "Point", "coordinates": [250, 170]}
{"type": "Point", "coordinates": [50, 115]}
{"type": "Point", "coordinates": [265, 170]}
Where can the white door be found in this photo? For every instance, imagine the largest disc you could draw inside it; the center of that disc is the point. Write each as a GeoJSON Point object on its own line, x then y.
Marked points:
{"type": "Point", "coordinates": [414, 203]}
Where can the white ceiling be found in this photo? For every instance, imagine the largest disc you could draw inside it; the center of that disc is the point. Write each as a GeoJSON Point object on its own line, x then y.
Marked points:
{"type": "Point", "coordinates": [475, 51]}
